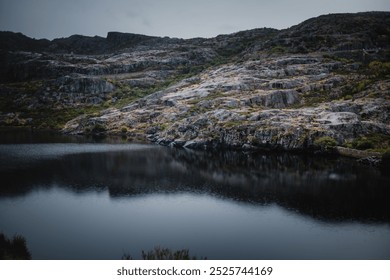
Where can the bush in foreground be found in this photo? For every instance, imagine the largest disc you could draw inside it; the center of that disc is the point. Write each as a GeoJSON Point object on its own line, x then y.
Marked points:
{"type": "Point", "coordinates": [325, 142]}
{"type": "Point", "coordinates": [159, 253]}
{"type": "Point", "coordinates": [13, 249]}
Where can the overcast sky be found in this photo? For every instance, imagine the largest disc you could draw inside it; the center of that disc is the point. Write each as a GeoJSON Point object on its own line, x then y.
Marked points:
{"type": "Point", "coordinates": [174, 18]}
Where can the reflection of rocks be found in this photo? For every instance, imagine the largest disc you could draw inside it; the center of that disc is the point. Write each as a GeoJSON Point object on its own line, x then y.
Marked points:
{"type": "Point", "coordinates": [334, 189]}
{"type": "Point", "coordinates": [373, 161]}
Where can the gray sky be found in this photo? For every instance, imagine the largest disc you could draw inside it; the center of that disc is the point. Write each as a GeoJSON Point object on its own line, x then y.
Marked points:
{"type": "Point", "coordinates": [174, 18]}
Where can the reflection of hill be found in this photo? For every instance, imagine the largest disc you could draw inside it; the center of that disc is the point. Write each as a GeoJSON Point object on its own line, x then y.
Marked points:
{"type": "Point", "coordinates": [330, 189]}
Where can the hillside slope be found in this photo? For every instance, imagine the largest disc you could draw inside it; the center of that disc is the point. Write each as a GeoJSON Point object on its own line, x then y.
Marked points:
{"type": "Point", "coordinates": [321, 83]}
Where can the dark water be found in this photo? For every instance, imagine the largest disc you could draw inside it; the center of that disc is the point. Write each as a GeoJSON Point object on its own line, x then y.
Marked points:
{"type": "Point", "coordinates": [73, 199]}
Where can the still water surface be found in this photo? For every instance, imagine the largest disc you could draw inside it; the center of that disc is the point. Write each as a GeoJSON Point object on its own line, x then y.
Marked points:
{"type": "Point", "coordinates": [74, 200]}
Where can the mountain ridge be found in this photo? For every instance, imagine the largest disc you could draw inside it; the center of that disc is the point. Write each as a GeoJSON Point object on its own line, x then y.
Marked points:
{"type": "Point", "coordinates": [340, 23]}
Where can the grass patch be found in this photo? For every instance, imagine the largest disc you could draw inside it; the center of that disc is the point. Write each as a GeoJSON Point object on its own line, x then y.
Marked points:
{"type": "Point", "coordinates": [279, 49]}
{"type": "Point", "coordinates": [232, 124]}
{"type": "Point", "coordinates": [57, 118]}
{"type": "Point", "coordinates": [312, 99]}
{"type": "Point", "coordinates": [373, 142]}
{"type": "Point", "coordinates": [29, 87]}
{"type": "Point", "coordinates": [213, 95]}
{"type": "Point", "coordinates": [379, 69]}
{"type": "Point", "coordinates": [337, 58]}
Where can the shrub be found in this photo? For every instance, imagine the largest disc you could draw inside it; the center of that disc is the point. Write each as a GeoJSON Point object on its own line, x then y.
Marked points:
{"type": "Point", "coordinates": [159, 253]}
{"type": "Point", "coordinates": [13, 249]}
{"type": "Point", "coordinates": [97, 128]}
{"type": "Point", "coordinates": [325, 142]}
{"type": "Point", "coordinates": [363, 144]}
{"type": "Point", "coordinates": [379, 69]}
{"type": "Point", "coordinates": [348, 97]}
{"type": "Point", "coordinates": [374, 141]}
{"type": "Point", "coordinates": [123, 129]}
{"type": "Point", "coordinates": [278, 49]}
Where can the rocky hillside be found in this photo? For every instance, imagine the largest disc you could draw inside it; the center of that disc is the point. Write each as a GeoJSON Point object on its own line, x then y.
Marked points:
{"type": "Point", "coordinates": [321, 83]}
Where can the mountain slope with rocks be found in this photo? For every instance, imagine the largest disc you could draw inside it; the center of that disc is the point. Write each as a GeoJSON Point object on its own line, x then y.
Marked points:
{"type": "Point", "coordinates": [319, 84]}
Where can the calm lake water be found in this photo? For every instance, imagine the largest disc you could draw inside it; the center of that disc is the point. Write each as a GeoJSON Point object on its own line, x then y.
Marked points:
{"type": "Point", "coordinates": [77, 198]}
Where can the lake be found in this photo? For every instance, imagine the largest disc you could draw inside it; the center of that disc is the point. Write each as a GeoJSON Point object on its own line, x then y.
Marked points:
{"type": "Point", "coordinates": [82, 198]}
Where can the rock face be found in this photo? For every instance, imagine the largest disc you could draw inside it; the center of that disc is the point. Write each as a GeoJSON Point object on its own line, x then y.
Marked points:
{"type": "Point", "coordinates": [345, 34]}
{"type": "Point", "coordinates": [256, 89]}
{"type": "Point", "coordinates": [254, 104]}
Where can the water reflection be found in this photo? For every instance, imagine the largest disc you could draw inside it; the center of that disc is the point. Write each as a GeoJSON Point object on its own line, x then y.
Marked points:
{"type": "Point", "coordinates": [331, 189]}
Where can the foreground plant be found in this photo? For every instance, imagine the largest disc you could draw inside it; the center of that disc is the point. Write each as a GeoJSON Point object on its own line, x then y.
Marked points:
{"type": "Point", "coordinates": [13, 249]}
{"type": "Point", "coordinates": [159, 253]}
